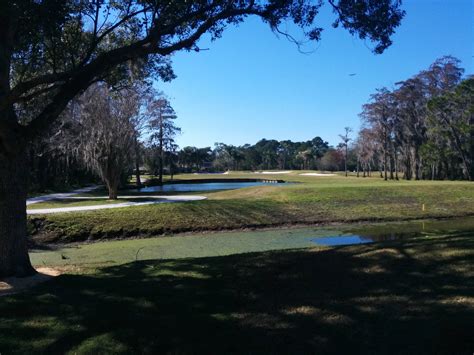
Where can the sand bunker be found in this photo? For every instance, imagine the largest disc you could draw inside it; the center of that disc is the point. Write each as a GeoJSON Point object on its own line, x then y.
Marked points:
{"type": "Point", "coordinates": [316, 174]}
{"type": "Point", "coordinates": [273, 172]}
{"type": "Point", "coordinates": [226, 173]}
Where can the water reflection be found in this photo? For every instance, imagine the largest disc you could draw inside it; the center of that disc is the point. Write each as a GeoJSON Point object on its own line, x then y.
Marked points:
{"type": "Point", "coordinates": [208, 186]}
{"type": "Point", "coordinates": [342, 240]}
{"type": "Point", "coordinates": [371, 233]}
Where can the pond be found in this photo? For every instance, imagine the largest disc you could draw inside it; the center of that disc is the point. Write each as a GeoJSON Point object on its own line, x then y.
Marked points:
{"type": "Point", "coordinates": [373, 233]}
{"type": "Point", "coordinates": [342, 240]}
{"type": "Point", "coordinates": [204, 186]}
{"type": "Point", "coordinates": [228, 243]}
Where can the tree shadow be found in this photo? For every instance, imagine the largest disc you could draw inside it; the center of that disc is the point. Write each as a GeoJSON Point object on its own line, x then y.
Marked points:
{"type": "Point", "coordinates": [413, 296]}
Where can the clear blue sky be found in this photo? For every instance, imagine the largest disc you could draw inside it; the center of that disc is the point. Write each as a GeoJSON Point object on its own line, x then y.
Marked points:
{"type": "Point", "coordinates": [251, 85]}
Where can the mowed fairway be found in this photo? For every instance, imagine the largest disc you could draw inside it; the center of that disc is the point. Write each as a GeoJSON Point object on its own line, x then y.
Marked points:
{"type": "Point", "coordinates": [308, 200]}
{"type": "Point", "coordinates": [413, 296]}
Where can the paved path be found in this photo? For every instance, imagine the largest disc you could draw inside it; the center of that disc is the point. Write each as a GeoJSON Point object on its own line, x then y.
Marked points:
{"type": "Point", "coordinates": [59, 196]}
{"type": "Point", "coordinates": [160, 199]}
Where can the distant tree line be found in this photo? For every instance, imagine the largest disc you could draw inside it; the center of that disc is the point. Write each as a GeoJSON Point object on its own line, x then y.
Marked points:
{"type": "Point", "coordinates": [136, 135]}
{"type": "Point", "coordinates": [421, 129]}
{"type": "Point", "coordinates": [264, 155]}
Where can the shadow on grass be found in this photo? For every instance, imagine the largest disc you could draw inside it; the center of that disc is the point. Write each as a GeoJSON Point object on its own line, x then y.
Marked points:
{"type": "Point", "coordinates": [407, 297]}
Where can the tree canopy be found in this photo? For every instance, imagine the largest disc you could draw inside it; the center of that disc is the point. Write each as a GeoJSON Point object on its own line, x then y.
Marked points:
{"type": "Point", "coordinates": [423, 127]}
{"type": "Point", "coordinates": [54, 49]}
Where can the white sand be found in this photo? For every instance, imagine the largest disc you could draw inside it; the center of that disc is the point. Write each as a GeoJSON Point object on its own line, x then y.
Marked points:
{"type": "Point", "coordinates": [316, 174]}
{"type": "Point", "coordinates": [273, 172]}
{"type": "Point", "coordinates": [226, 173]}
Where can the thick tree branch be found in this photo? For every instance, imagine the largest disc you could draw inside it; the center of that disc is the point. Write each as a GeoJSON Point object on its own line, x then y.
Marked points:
{"type": "Point", "coordinates": [106, 61]}
{"type": "Point", "coordinates": [46, 79]}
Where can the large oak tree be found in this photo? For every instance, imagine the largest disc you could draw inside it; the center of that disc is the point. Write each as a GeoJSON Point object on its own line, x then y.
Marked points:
{"type": "Point", "coordinates": [52, 50]}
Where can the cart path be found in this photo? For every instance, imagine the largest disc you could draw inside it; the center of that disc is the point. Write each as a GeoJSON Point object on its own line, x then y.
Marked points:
{"type": "Point", "coordinates": [160, 199]}
{"type": "Point", "coordinates": [61, 195]}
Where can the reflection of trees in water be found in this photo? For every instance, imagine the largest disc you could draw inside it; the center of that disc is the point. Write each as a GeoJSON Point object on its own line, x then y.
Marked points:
{"type": "Point", "coordinates": [398, 231]}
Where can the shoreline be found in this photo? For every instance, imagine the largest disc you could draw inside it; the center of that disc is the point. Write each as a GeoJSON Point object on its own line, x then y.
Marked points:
{"type": "Point", "coordinates": [38, 241]}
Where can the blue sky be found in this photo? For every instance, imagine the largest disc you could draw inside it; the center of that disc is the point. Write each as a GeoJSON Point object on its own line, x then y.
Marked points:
{"type": "Point", "coordinates": [251, 84]}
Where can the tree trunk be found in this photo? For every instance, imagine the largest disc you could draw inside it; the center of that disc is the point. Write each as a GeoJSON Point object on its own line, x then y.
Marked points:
{"type": "Point", "coordinates": [14, 258]}
{"type": "Point", "coordinates": [345, 161]}
{"type": "Point", "coordinates": [465, 161]}
{"type": "Point", "coordinates": [112, 184]}
{"type": "Point", "coordinates": [392, 163]}
{"type": "Point", "coordinates": [137, 163]}
{"type": "Point", "coordinates": [160, 176]}
{"type": "Point", "coordinates": [113, 191]}
{"type": "Point", "coordinates": [407, 172]}
{"type": "Point", "coordinates": [137, 175]}
{"type": "Point", "coordinates": [417, 163]}
{"type": "Point", "coordinates": [446, 169]}
{"type": "Point", "coordinates": [162, 156]}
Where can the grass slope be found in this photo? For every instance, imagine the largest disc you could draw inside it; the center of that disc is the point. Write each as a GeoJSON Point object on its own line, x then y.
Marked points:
{"type": "Point", "coordinates": [310, 201]}
{"type": "Point", "coordinates": [415, 296]}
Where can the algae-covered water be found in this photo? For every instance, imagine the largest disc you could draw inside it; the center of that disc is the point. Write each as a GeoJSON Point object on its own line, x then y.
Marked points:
{"type": "Point", "coordinates": [227, 243]}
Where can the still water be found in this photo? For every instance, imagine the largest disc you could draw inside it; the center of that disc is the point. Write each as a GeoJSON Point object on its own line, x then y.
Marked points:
{"type": "Point", "coordinates": [207, 186]}
{"type": "Point", "coordinates": [228, 243]}
{"type": "Point", "coordinates": [342, 240]}
{"type": "Point", "coordinates": [373, 233]}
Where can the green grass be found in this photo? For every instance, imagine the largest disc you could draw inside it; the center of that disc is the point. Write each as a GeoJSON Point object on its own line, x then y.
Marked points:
{"type": "Point", "coordinates": [414, 296]}
{"type": "Point", "coordinates": [263, 291]}
{"type": "Point", "coordinates": [313, 200]}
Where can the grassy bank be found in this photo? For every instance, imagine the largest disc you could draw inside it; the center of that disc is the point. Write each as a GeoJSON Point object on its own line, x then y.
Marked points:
{"type": "Point", "coordinates": [415, 296]}
{"type": "Point", "coordinates": [115, 252]}
{"type": "Point", "coordinates": [311, 200]}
